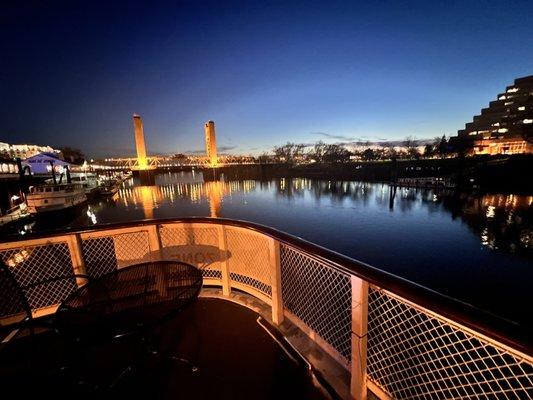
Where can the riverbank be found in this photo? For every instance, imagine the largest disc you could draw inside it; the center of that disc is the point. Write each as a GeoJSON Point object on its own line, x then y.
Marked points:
{"type": "Point", "coordinates": [498, 173]}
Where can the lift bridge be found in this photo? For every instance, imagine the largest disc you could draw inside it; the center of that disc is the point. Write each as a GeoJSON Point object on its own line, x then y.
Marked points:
{"type": "Point", "coordinates": [130, 163]}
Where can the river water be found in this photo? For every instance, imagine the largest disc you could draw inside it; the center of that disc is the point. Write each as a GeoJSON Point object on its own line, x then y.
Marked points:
{"type": "Point", "coordinates": [477, 248]}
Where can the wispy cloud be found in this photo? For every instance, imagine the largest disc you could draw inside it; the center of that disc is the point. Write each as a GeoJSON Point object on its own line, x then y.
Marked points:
{"type": "Point", "coordinates": [226, 148]}
{"type": "Point", "coordinates": [219, 148]}
{"type": "Point", "coordinates": [330, 136]}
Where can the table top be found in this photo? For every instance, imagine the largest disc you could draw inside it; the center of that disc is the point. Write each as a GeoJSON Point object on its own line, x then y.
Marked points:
{"type": "Point", "coordinates": [140, 295]}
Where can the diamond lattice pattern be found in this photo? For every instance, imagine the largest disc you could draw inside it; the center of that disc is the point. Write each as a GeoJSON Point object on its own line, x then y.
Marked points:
{"type": "Point", "coordinates": [37, 263]}
{"type": "Point", "coordinates": [320, 296]}
{"type": "Point", "coordinates": [414, 355]}
{"type": "Point", "coordinates": [105, 254]}
{"type": "Point", "coordinates": [197, 246]}
{"type": "Point", "coordinates": [249, 259]}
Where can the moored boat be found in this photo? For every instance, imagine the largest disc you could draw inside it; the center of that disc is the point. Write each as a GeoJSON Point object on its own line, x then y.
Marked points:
{"type": "Point", "coordinates": [108, 188]}
{"type": "Point", "coordinates": [89, 182]}
{"type": "Point", "coordinates": [56, 197]}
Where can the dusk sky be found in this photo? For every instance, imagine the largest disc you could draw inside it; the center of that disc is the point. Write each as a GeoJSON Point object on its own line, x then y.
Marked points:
{"type": "Point", "coordinates": [73, 73]}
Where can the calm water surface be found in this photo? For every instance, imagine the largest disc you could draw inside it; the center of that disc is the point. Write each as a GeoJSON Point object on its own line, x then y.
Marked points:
{"type": "Point", "coordinates": [476, 248]}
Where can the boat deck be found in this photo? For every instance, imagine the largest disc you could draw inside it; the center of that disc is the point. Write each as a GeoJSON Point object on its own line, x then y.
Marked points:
{"type": "Point", "coordinates": [236, 356]}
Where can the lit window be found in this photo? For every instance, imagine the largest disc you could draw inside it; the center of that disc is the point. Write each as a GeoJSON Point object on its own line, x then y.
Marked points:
{"type": "Point", "coordinates": [521, 108]}
{"type": "Point", "coordinates": [496, 124]}
{"type": "Point", "coordinates": [501, 98]}
{"type": "Point", "coordinates": [513, 90]}
{"type": "Point", "coordinates": [508, 102]}
{"type": "Point", "coordinates": [528, 121]}
{"type": "Point", "coordinates": [502, 130]}
{"type": "Point", "coordinates": [473, 133]}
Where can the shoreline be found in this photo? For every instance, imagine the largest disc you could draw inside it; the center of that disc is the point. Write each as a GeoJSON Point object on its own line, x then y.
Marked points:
{"type": "Point", "coordinates": [509, 174]}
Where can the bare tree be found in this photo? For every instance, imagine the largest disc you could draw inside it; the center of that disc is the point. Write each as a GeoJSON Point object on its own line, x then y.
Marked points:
{"type": "Point", "coordinates": [336, 153]}
{"type": "Point", "coordinates": [390, 150]}
{"type": "Point", "coordinates": [442, 146]}
{"type": "Point", "coordinates": [368, 154]}
{"type": "Point", "coordinates": [411, 144]}
{"type": "Point", "coordinates": [264, 158]}
{"type": "Point", "coordinates": [289, 152]}
{"type": "Point", "coordinates": [319, 150]}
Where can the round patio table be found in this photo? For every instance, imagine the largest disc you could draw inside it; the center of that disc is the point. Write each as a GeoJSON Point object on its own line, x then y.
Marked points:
{"type": "Point", "coordinates": [130, 299]}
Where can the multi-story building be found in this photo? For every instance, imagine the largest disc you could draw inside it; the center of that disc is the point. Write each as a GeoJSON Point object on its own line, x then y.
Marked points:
{"type": "Point", "coordinates": [24, 151]}
{"type": "Point", "coordinates": [506, 126]}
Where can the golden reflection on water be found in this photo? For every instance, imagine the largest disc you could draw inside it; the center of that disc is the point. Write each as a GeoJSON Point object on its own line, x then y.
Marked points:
{"type": "Point", "coordinates": [215, 192]}
{"type": "Point", "coordinates": [502, 220]}
{"type": "Point", "coordinates": [147, 196]}
{"type": "Point", "coordinates": [150, 197]}
{"type": "Point", "coordinates": [507, 201]}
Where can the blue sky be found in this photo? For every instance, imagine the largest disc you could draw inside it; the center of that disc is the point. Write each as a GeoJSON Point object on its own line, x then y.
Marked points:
{"type": "Point", "coordinates": [73, 73]}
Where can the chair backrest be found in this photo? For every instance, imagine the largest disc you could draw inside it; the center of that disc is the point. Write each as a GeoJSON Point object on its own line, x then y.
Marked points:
{"type": "Point", "coordinates": [14, 306]}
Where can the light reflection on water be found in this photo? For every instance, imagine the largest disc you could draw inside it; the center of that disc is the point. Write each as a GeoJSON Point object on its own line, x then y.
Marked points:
{"type": "Point", "coordinates": [477, 248]}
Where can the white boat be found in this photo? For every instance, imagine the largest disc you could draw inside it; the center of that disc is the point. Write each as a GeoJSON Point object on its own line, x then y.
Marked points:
{"type": "Point", "coordinates": [89, 181]}
{"type": "Point", "coordinates": [48, 198]}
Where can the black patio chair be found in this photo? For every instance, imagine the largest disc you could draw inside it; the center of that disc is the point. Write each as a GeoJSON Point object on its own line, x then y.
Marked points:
{"type": "Point", "coordinates": [15, 311]}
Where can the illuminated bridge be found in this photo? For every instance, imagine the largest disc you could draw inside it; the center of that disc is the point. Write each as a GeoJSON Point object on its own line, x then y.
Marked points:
{"type": "Point", "coordinates": [161, 162]}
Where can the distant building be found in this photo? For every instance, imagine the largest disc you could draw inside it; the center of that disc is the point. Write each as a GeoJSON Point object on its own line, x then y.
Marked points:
{"type": "Point", "coordinates": [11, 151]}
{"type": "Point", "coordinates": [505, 127]}
{"type": "Point", "coordinates": [211, 142]}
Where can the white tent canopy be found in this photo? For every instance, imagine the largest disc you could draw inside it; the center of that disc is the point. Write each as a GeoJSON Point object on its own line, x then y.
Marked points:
{"type": "Point", "coordinates": [40, 164]}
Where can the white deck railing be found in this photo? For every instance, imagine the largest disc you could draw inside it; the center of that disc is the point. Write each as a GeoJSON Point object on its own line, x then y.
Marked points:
{"type": "Point", "coordinates": [396, 347]}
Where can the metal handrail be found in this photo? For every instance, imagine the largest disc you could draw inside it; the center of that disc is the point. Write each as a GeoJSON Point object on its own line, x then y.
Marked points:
{"type": "Point", "coordinates": [502, 330]}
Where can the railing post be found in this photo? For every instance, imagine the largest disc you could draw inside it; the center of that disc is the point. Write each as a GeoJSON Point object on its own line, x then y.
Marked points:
{"type": "Point", "coordinates": [76, 256]}
{"type": "Point", "coordinates": [358, 387]}
{"type": "Point", "coordinates": [154, 241]}
{"type": "Point", "coordinates": [275, 274]}
{"type": "Point", "coordinates": [224, 267]}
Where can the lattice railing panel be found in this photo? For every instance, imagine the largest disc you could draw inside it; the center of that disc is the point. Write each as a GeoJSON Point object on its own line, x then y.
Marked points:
{"type": "Point", "coordinates": [413, 354]}
{"type": "Point", "coordinates": [52, 292]}
{"type": "Point", "coordinates": [105, 254]}
{"type": "Point", "coordinates": [99, 256]}
{"type": "Point", "coordinates": [249, 262]}
{"type": "Point", "coordinates": [196, 245]}
{"type": "Point", "coordinates": [32, 264]}
{"type": "Point", "coordinates": [320, 296]}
